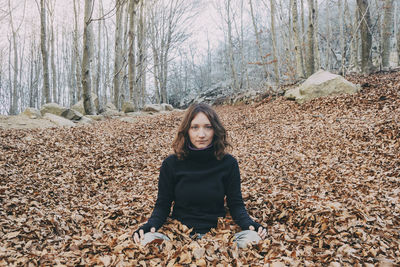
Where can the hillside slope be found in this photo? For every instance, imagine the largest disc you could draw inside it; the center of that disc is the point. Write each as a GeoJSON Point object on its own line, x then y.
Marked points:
{"type": "Point", "coordinates": [322, 177]}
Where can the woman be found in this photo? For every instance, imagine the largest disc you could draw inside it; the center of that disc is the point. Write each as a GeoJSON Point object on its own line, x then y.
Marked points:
{"type": "Point", "coordinates": [197, 178]}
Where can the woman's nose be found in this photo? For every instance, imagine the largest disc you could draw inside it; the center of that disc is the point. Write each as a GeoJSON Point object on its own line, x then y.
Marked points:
{"type": "Point", "coordinates": [201, 132]}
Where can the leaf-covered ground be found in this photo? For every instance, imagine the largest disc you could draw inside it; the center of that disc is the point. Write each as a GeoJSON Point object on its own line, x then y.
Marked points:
{"type": "Point", "coordinates": [322, 177]}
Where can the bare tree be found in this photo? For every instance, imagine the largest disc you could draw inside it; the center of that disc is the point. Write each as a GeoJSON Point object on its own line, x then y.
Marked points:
{"type": "Point", "coordinates": [45, 58]}
{"type": "Point", "coordinates": [52, 52]}
{"type": "Point", "coordinates": [387, 32]}
{"type": "Point", "coordinates": [133, 88]}
{"type": "Point", "coordinates": [311, 39]}
{"type": "Point", "coordinates": [118, 53]}
{"type": "Point", "coordinates": [398, 32]}
{"type": "Point", "coordinates": [86, 59]}
{"type": "Point", "coordinates": [297, 45]}
{"type": "Point", "coordinates": [168, 20]}
{"type": "Point", "coordinates": [258, 41]}
{"type": "Point", "coordinates": [366, 36]}
{"type": "Point", "coordinates": [142, 58]}
{"type": "Point", "coordinates": [341, 36]}
{"type": "Point", "coordinates": [273, 35]}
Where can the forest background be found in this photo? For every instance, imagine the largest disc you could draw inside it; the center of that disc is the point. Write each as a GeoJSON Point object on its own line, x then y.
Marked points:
{"type": "Point", "coordinates": [168, 51]}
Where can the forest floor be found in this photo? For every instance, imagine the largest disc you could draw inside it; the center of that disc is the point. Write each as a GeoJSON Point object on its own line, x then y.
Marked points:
{"type": "Point", "coordinates": [322, 177]}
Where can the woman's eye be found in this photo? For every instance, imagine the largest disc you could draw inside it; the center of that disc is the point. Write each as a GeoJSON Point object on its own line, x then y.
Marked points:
{"type": "Point", "coordinates": [209, 127]}
{"type": "Point", "coordinates": [194, 127]}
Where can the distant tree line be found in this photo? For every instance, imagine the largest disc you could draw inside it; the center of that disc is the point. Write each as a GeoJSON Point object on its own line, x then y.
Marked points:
{"type": "Point", "coordinates": [139, 51]}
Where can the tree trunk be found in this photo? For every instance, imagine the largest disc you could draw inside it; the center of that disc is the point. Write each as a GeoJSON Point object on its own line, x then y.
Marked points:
{"type": "Point", "coordinates": [341, 36]}
{"type": "Point", "coordinates": [141, 43]}
{"type": "Point", "coordinates": [53, 65]}
{"type": "Point", "coordinates": [297, 45]}
{"type": "Point", "coordinates": [354, 41]}
{"type": "Point", "coordinates": [118, 55]}
{"type": "Point", "coordinates": [230, 48]}
{"type": "Point", "coordinates": [76, 58]}
{"type": "Point", "coordinates": [86, 59]}
{"type": "Point", "coordinates": [258, 41]}
{"type": "Point", "coordinates": [398, 33]}
{"type": "Point", "coordinates": [14, 88]}
{"type": "Point", "coordinates": [273, 35]}
{"type": "Point", "coordinates": [133, 89]}
{"type": "Point", "coordinates": [387, 33]}
{"type": "Point", "coordinates": [45, 60]}
{"type": "Point", "coordinates": [317, 58]}
{"type": "Point", "coordinates": [303, 39]}
{"type": "Point", "coordinates": [366, 37]}
{"type": "Point", "coordinates": [310, 41]}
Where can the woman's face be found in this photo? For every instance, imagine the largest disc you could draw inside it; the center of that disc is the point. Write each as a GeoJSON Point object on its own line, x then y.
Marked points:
{"type": "Point", "coordinates": [201, 132]}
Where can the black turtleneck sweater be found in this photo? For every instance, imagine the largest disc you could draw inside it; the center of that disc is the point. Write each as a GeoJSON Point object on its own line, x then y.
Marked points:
{"type": "Point", "coordinates": [197, 185]}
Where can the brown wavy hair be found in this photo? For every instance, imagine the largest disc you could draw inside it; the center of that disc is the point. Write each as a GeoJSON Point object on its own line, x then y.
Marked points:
{"type": "Point", "coordinates": [182, 140]}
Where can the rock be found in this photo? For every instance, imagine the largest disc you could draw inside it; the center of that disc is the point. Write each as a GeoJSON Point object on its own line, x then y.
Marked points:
{"type": "Point", "coordinates": [86, 120]}
{"type": "Point", "coordinates": [128, 107]}
{"type": "Point", "coordinates": [322, 83]}
{"type": "Point", "coordinates": [71, 114]}
{"type": "Point", "coordinates": [52, 108]}
{"type": "Point", "coordinates": [111, 113]}
{"type": "Point", "coordinates": [167, 107]}
{"type": "Point", "coordinates": [152, 108]}
{"type": "Point", "coordinates": [110, 105]}
{"type": "Point", "coordinates": [79, 105]}
{"type": "Point", "coordinates": [95, 117]}
{"type": "Point", "coordinates": [32, 113]}
{"type": "Point", "coordinates": [59, 121]}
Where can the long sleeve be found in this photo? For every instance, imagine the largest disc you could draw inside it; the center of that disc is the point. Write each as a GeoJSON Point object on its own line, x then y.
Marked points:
{"type": "Point", "coordinates": [165, 197]}
{"type": "Point", "coordinates": [235, 201]}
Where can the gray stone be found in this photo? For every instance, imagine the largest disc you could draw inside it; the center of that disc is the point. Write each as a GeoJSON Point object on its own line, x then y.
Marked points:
{"type": "Point", "coordinates": [128, 107]}
{"type": "Point", "coordinates": [57, 120]}
{"type": "Point", "coordinates": [167, 107]}
{"type": "Point", "coordinates": [85, 120]}
{"type": "Point", "coordinates": [32, 113]}
{"type": "Point", "coordinates": [152, 108]}
{"type": "Point", "coordinates": [52, 108]}
{"type": "Point", "coordinates": [110, 105]}
{"type": "Point", "coordinates": [320, 84]}
{"type": "Point", "coordinates": [72, 114]}
{"type": "Point", "coordinates": [95, 117]}
{"type": "Point", "coordinates": [80, 108]}
{"type": "Point", "coordinates": [111, 113]}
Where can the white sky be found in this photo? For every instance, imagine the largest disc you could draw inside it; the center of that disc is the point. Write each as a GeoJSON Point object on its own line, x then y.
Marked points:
{"type": "Point", "coordinates": [204, 24]}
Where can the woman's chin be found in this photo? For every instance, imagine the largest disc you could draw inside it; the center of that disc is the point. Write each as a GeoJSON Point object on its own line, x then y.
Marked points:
{"type": "Point", "coordinates": [201, 145]}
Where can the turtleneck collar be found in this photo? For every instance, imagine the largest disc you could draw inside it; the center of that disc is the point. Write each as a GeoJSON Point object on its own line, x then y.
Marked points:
{"type": "Point", "coordinates": [202, 154]}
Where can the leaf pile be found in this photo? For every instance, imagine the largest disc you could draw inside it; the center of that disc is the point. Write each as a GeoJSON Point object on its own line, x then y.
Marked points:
{"type": "Point", "coordinates": [323, 178]}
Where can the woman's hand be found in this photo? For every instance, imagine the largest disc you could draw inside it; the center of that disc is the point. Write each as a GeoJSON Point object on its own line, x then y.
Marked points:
{"type": "Point", "coordinates": [137, 237]}
{"type": "Point", "coordinates": [262, 232]}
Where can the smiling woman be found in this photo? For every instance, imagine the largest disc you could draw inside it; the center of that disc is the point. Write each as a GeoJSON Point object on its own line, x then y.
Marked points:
{"type": "Point", "coordinates": [197, 178]}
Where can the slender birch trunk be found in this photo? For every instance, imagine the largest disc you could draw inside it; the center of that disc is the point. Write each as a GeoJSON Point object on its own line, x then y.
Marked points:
{"type": "Point", "coordinates": [87, 58]}
{"type": "Point", "coordinates": [310, 41]}
{"type": "Point", "coordinates": [273, 35]}
{"type": "Point", "coordinates": [387, 32]}
{"type": "Point", "coordinates": [53, 64]}
{"type": "Point", "coordinates": [258, 41]}
{"type": "Point", "coordinates": [45, 60]}
{"type": "Point", "coordinates": [76, 58]}
{"type": "Point", "coordinates": [297, 45]}
{"type": "Point", "coordinates": [341, 36]}
{"type": "Point", "coordinates": [118, 55]}
{"type": "Point", "coordinates": [398, 33]}
{"type": "Point", "coordinates": [133, 89]}
{"type": "Point", "coordinates": [366, 37]}
{"type": "Point", "coordinates": [14, 89]}
{"type": "Point", "coordinates": [230, 48]}
{"type": "Point", "coordinates": [317, 57]}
